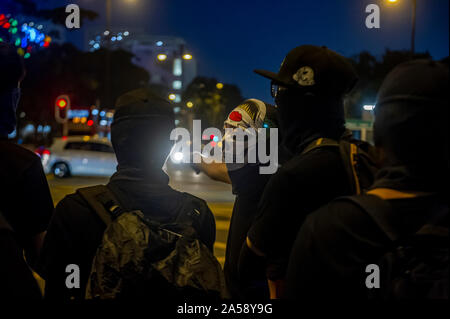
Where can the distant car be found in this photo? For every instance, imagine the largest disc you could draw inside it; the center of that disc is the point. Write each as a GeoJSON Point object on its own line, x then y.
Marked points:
{"type": "Point", "coordinates": [79, 155]}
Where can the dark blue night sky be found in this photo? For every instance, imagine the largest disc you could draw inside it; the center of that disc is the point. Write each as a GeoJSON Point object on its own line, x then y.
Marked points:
{"type": "Point", "coordinates": [231, 38]}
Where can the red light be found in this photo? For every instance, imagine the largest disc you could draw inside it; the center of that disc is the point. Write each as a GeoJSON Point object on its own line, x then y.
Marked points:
{"type": "Point", "coordinates": [46, 44]}
{"type": "Point", "coordinates": [90, 122]}
{"type": "Point", "coordinates": [6, 25]}
{"type": "Point", "coordinates": [38, 151]}
{"type": "Point", "coordinates": [46, 152]}
{"type": "Point", "coordinates": [64, 138]}
{"type": "Point", "coordinates": [211, 136]}
{"type": "Point", "coordinates": [213, 144]}
{"type": "Point", "coordinates": [61, 103]}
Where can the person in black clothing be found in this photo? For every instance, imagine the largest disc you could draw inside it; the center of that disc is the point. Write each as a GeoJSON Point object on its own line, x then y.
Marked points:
{"type": "Point", "coordinates": [308, 90]}
{"type": "Point", "coordinates": [16, 279]}
{"type": "Point", "coordinates": [338, 241]}
{"type": "Point", "coordinates": [25, 199]}
{"type": "Point", "coordinates": [140, 137]}
{"type": "Point", "coordinates": [248, 185]}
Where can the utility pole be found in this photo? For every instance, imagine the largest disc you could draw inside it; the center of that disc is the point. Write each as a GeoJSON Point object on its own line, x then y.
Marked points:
{"type": "Point", "coordinates": [107, 99]}
{"type": "Point", "coordinates": [413, 33]}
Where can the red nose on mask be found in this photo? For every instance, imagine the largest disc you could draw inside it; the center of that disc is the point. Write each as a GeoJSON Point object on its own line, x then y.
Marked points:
{"type": "Point", "coordinates": [235, 116]}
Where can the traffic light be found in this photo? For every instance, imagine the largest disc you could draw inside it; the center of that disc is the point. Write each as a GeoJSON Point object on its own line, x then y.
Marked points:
{"type": "Point", "coordinates": [62, 107]}
{"type": "Point", "coordinates": [62, 103]}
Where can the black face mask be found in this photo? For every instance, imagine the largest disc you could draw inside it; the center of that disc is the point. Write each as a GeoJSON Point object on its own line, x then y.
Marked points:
{"type": "Point", "coordinates": [8, 107]}
{"type": "Point", "coordinates": [248, 181]}
{"type": "Point", "coordinates": [304, 117]}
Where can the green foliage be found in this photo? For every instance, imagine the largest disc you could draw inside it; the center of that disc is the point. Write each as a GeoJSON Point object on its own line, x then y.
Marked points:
{"type": "Point", "coordinates": [211, 104]}
{"type": "Point", "coordinates": [371, 73]}
{"type": "Point", "coordinates": [63, 69]}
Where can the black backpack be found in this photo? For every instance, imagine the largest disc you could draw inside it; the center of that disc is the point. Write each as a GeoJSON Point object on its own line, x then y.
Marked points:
{"type": "Point", "coordinates": [415, 266]}
{"type": "Point", "coordinates": [360, 160]}
{"type": "Point", "coordinates": [140, 258]}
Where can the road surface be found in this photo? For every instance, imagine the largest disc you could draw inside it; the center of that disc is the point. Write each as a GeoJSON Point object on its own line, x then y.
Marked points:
{"type": "Point", "coordinates": [218, 196]}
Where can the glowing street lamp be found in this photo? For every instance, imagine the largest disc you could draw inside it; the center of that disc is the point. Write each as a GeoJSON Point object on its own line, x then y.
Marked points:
{"type": "Point", "coordinates": [161, 57]}
{"type": "Point", "coordinates": [172, 96]}
{"type": "Point", "coordinates": [219, 86]}
{"type": "Point", "coordinates": [187, 56]}
{"type": "Point", "coordinates": [189, 104]}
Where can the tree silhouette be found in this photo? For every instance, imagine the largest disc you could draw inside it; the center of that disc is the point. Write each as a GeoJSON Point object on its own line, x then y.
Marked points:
{"type": "Point", "coordinates": [211, 104]}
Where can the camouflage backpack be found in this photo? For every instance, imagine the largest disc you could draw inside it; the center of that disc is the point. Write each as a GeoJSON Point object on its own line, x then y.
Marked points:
{"type": "Point", "coordinates": [139, 258]}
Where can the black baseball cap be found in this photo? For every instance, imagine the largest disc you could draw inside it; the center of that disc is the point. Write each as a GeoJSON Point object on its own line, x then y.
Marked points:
{"type": "Point", "coordinates": [314, 68]}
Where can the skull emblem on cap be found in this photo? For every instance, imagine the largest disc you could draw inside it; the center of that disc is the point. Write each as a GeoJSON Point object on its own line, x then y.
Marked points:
{"type": "Point", "coordinates": [304, 76]}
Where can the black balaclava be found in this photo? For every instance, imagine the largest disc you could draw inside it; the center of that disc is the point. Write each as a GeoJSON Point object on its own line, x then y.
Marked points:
{"type": "Point", "coordinates": [411, 126]}
{"type": "Point", "coordinates": [140, 132]}
{"type": "Point", "coordinates": [305, 117]}
{"type": "Point", "coordinates": [13, 71]}
{"type": "Point", "coordinates": [9, 101]}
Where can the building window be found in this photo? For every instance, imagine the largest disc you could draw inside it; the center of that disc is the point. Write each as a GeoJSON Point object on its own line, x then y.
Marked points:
{"type": "Point", "coordinates": [177, 67]}
{"type": "Point", "coordinates": [176, 85]}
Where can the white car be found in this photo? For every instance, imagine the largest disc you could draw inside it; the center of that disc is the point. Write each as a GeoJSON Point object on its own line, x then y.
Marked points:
{"type": "Point", "coordinates": [79, 155]}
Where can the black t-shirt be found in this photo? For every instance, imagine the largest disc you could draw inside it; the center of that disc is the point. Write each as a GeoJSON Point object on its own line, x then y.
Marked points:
{"type": "Point", "coordinates": [76, 231]}
{"type": "Point", "coordinates": [302, 185]}
{"type": "Point", "coordinates": [338, 241]}
{"type": "Point", "coordinates": [26, 202]}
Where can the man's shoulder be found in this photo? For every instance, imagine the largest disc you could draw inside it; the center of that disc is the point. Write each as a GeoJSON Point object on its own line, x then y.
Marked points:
{"type": "Point", "coordinates": [73, 210]}
{"type": "Point", "coordinates": [342, 217]}
{"type": "Point", "coordinates": [17, 156]}
{"type": "Point", "coordinates": [317, 162]}
{"type": "Point", "coordinates": [315, 156]}
{"type": "Point", "coordinates": [195, 202]}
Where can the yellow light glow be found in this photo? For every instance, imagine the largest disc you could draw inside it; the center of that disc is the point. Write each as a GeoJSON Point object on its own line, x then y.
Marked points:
{"type": "Point", "coordinates": [187, 56]}
{"type": "Point", "coordinates": [189, 104]}
{"type": "Point", "coordinates": [219, 86]}
{"type": "Point", "coordinates": [172, 97]}
{"type": "Point", "coordinates": [86, 138]}
{"type": "Point", "coordinates": [76, 120]}
{"type": "Point", "coordinates": [161, 57]}
{"type": "Point", "coordinates": [392, 1]}
{"type": "Point", "coordinates": [83, 120]}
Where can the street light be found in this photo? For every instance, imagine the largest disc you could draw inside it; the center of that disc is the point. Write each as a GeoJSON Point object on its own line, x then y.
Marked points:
{"type": "Point", "coordinates": [161, 57]}
{"type": "Point", "coordinates": [413, 31]}
{"type": "Point", "coordinates": [172, 96]}
{"type": "Point", "coordinates": [189, 104]}
{"type": "Point", "coordinates": [219, 86]}
{"type": "Point", "coordinates": [187, 56]}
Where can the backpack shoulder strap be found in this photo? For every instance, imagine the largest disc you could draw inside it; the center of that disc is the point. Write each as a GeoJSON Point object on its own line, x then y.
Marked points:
{"type": "Point", "coordinates": [379, 210]}
{"type": "Point", "coordinates": [101, 199]}
{"type": "Point", "coordinates": [348, 152]}
{"type": "Point", "coordinates": [319, 143]}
